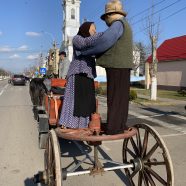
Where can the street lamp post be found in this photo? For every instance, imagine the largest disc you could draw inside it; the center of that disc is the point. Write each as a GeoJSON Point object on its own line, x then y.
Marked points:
{"type": "Point", "coordinates": [54, 50]}
{"type": "Point", "coordinates": [51, 36]}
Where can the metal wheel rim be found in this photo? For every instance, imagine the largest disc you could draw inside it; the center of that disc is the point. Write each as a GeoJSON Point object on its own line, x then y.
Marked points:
{"type": "Point", "coordinates": [53, 161]}
{"type": "Point", "coordinates": [146, 175]}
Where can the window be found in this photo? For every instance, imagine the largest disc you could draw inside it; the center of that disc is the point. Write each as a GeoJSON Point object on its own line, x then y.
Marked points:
{"type": "Point", "coordinates": [73, 1]}
{"type": "Point", "coordinates": [72, 13]}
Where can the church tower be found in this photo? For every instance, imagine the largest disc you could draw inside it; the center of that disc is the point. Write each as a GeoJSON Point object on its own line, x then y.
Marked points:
{"type": "Point", "coordinates": [71, 23]}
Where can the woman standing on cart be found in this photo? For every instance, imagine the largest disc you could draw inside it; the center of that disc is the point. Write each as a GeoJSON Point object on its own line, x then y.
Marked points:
{"type": "Point", "coordinates": [79, 99]}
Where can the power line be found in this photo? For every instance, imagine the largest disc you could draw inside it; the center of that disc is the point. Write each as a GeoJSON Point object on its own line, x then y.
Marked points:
{"type": "Point", "coordinates": [156, 12]}
{"type": "Point", "coordinates": [145, 10]}
{"type": "Point", "coordinates": [174, 13]}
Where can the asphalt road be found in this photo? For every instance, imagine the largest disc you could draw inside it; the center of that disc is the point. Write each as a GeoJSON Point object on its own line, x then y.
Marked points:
{"type": "Point", "coordinates": [20, 157]}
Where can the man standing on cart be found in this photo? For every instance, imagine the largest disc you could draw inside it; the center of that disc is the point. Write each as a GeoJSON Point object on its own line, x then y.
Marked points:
{"type": "Point", "coordinates": [114, 51]}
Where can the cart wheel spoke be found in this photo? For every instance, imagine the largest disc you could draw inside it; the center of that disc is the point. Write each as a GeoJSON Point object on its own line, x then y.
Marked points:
{"type": "Point", "coordinates": [140, 179]}
{"type": "Point", "coordinates": [151, 152]}
{"type": "Point", "coordinates": [145, 142]}
{"type": "Point", "coordinates": [145, 179]}
{"type": "Point", "coordinates": [131, 182]}
{"type": "Point", "coordinates": [134, 146]}
{"type": "Point", "coordinates": [155, 175]}
{"type": "Point", "coordinates": [131, 153]}
{"type": "Point", "coordinates": [139, 141]}
{"type": "Point", "coordinates": [133, 174]}
{"type": "Point", "coordinates": [152, 162]}
{"type": "Point", "coordinates": [151, 181]}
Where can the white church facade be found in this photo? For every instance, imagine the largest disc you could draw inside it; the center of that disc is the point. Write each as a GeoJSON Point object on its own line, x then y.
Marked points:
{"type": "Point", "coordinates": [71, 23]}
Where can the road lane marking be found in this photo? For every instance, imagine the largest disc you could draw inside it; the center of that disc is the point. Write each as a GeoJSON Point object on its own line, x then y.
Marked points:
{"type": "Point", "coordinates": [178, 116]}
{"type": "Point", "coordinates": [1, 92]}
{"type": "Point", "coordinates": [158, 115]}
{"type": "Point", "coordinates": [143, 116]}
{"type": "Point", "coordinates": [173, 135]}
{"type": "Point", "coordinates": [159, 122]}
{"type": "Point", "coordinates": [163, 136]}
{"type": "Point", "coordinates": [3, 89]}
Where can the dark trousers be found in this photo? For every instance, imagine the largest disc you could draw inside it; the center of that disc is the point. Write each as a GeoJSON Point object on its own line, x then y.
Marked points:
{"type": "Point", "coordinates": [118, 88]}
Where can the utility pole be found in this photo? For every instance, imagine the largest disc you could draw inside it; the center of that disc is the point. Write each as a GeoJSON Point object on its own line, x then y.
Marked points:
{"type": "Point", "coordinates": [54, 48]}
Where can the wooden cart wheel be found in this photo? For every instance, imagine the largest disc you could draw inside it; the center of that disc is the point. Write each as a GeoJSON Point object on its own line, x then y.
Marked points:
{"type": "Point", "coordinates": [53, 161]}
{"type": "Point", "coordinates": [150, 156]}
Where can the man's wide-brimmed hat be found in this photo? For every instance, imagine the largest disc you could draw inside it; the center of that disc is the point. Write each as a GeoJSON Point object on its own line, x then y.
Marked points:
{"type": "Point", "coordinates": [114, 6]}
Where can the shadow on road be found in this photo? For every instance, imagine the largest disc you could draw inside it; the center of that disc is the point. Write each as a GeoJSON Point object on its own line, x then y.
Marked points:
{"type": "Point", "coordinates": [69, 149]}
{"type": "Point", "coordinates": [29, 182]}
{"type": "Point", "coordinates": [118, 172]}
{"type": "Point", "coordinates": [158, 111]}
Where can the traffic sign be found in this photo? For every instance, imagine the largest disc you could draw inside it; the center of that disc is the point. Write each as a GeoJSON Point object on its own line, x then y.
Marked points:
{"type": "Point", "coordinates": [43, 71]}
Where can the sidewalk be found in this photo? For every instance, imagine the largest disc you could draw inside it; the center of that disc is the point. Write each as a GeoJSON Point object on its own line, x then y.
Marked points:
{"type": "Point", "coordinates": [164, 104]}
{"type": "Point", "coordinates": [163, 101]}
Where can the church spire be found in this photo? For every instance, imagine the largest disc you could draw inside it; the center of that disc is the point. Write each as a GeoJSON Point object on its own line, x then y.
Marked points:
{"type": "Point", "coordinates": [71, 23]}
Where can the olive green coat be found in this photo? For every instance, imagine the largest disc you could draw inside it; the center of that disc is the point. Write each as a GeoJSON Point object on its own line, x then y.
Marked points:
{"type": "Point", "coordinates": [120, 55]}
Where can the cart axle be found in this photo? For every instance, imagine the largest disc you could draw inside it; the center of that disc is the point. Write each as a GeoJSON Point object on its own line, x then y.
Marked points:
{"type": "Point", "coordinates": [104, 170]}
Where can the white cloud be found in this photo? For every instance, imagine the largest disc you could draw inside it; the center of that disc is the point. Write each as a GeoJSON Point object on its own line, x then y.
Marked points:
{"type": "Point", "coordinates": [32, 34]}
{"type": "Point", "coordinates": [1, 33]}
{"type": "Point", "coordinates": [32, 57]}
{"type": "Point", "coordinates": [6, 49]}
{"type": "Point", "coordinates": [22, 48]}
{"type": "Point", "coordinates": [10, 49]}
{"type": "Point", "coordinates": [15, 56]}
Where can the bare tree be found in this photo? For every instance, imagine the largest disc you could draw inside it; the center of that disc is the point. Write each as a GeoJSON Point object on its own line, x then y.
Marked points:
{"type": "Point", "coordinates": [153, 31]}
{"type": "Point", "coordinates": [4, 72]}
{"type": "Point", "coordinates": [139, 62]}
{"type": "Point", "coordinates": [136, 60]}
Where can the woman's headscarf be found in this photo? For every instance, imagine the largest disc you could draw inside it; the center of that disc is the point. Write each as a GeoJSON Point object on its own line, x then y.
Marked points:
{"type": "Point", "coordinates": [84, 29]}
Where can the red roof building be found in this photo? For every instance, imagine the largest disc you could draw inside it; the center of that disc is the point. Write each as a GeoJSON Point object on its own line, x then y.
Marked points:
{"type": "Point", "coordinates": [171, 50]}
{"type": "Point", "coordinates": [171, 56]}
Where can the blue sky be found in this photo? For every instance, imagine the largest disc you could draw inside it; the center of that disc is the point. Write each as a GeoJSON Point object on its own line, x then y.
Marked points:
{"type": "Point", "coordinates": [27, 27]}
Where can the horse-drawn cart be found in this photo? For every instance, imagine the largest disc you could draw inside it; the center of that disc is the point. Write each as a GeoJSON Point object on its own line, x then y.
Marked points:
{"type": "Point", "coordinates": [144, 163]}
{"type": "Point", "coordinates": [145, 157]}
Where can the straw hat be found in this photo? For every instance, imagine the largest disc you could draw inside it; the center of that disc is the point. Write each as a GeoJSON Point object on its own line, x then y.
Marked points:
{"type": "Point", "coordinates": [114, 6]}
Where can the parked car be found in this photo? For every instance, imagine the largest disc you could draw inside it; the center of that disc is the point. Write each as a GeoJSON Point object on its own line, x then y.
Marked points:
{"type": "Point", "coordinates": [9, 80]}
{"type": "Point", "coordinates": [18, 79]}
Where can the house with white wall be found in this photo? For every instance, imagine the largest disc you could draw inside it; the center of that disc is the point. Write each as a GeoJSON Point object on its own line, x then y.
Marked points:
{"type": "Point", "coordinates": [171, 71]}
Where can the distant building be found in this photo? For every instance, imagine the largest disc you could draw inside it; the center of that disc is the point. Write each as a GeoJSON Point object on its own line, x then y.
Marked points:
{"type": "Point", "coordinates": [171, 72]}
{"type": "Point", "coordinates": [53, 61]}
{"type": "Point", "coordinates": [71, 23]}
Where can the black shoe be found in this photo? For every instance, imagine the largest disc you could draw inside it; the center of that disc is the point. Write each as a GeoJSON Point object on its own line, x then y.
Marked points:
{"type": "Point", "coordinates": [104, 127]}
{"type": "Point", "coordinates": [113, 132]}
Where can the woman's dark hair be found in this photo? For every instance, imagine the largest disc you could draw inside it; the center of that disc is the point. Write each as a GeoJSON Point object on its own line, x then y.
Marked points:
{"type": "Point", "coordinates": [84, 29]}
